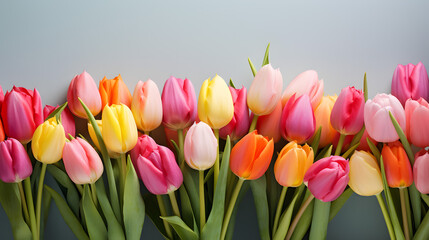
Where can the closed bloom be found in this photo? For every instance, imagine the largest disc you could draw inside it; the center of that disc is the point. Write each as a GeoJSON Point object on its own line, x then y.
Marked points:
{"type": "Point", "coordinates": [410, 81]}
{"type": "Point", "coordinates": [397, 165]}
{"type": "Point", "coordinates": [215, 105]}
{"type": "Point", "coordinates": [265, 91]}
{"type": "Point", "coordinates": [292, 164]}
{"type": "Point", "coordinates": [322, 114]}
{"type": "Point", "coordinates": [305, 83]}
{"type": "Point", "coordinates": [240, 122]}
{"type": "Point", "coordinates": [251, 156]}
{"type": "Point", "coordinates": [67, 119]}
{"type": "Point", "coordinates": [145, 146]}
{"type": "Point", "coordinates": [365, 175]}
{"type": "Point", "coordinates": [83, 86]}
{"type": "Point", "coordinates": [269, 125]}
{"type": "Point", "coordinates": [377, 119]}
{"type": "Point", "coordinates": [119, 129]}
{"type": "Point", "coordinates": [327, 178]}
{"type": "Point", "coordinates": [114, 91]}
{"type": "Point", "coordinates": [21, 113]}
{"type": "Point", "coordinates": [15, 165]}
{"type": "Point", "coordinates": [200, 146]}
{"type": "Point", "coordinates": [421, 171]}
{"type": "Point", "coordinates": [179, 103]}
{"type": "Point", "coordinates": [48, 141]}
{"type": "Point", "coordinates": [82, 163]}
{"type": "Point", "coordinates": [147, 106]}
{"type": "Point", "coordinates": [417, 115]}
{"type": "Point", "coordinates": [95, 139]}
{"type": "Point", "coordinates": [347, 113]}
{"type": "Point", "coordinates": [298, 122]}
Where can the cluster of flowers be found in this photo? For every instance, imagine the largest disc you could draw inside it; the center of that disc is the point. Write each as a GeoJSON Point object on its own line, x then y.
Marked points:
{"type": "Point", "coordinates": [366, 130]}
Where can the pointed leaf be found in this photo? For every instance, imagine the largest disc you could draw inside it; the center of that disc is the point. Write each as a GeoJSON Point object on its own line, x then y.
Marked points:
{"type": "Point", "coordinates": [357, 137]}
{"type": "Point", "coordinates": [266, 60]}
{"type": "Point", "coordinates": [181, 228]}
{"type": "Point", "coordinates": [94, 222]}
{"type": "Point", "coordinates": [185, 202]}
{"type": "Point", "coordinates": [422, 232]}
{"type": "Point", "coordinates": [403, 138]}
{"type": "Point", "coordinates": [231, 83]}
{"type": "Point", "coordinates": [57, 112]}
{"type": "Point", "coordinates": [350, 150]}
{"type": "Point", "coordinates": [252, 67]}
{"type": "Point", "coordinates": [365, 88]}
{"type": "Point", "coordinates": [316, 140]}
{"type": "Point", "coordinates": [261, 203]}
{"type": "Point", "coordinates": [374, 149]}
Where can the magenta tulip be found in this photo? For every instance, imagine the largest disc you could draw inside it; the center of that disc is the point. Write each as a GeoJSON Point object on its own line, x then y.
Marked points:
{"type": "Point", "coordinates": [410, 81]}
{"type": "Point", "coordinates": [298, 122]}
{"type": "Point", "coordinates": [421, 171]}
{"type": "Point", "coordinates": [305, 83]}
{"type": "Point", "coordinates": [1, 97]}
{"type": "Point", "coordinates": [145, 146]}
{"type": "Point", "coordinates": [239, 125]}
{"type": "Point", "coordinates": [21, 113]}
{"type": "Point", "coordinates": [417, 115]}
{"type": "Point", "coordinates": [67, 119]}
{"type": "Point", "coordinates": [15, 165]}
{"type": "Point", "coordinates": [200, 146]}
{"type": "Point", "coordinates": [327, 178]}
{"type": "Point", "coordinates": [84, 87]}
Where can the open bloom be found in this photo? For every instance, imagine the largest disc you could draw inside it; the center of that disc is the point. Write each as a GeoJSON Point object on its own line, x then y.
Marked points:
{"type": "Point", "coordinates": [322, 114]}
{"type": "Point", "coordinates": [421, 171]}
{"type": "Point", "coordinates": [147, 106]}
{"type": "Point", "coordinates": [365, 175]}
{"type": "Point", "coordinates": [305, 83]}
{"type": "Point", "coordinates": [347, 113]}
{"type": "Point", "coordinates": [239, 124]}
{"type": "Point", "coordinates": [410, 81]}
{"type": "Point", "coordinates": [15, 165]}
{"type": "Point", "coordinates": [200, 146]}
{"type": "Point", "coordinates": [397, 165]}
{"type": "Point", "coordinates": [269, 125]}
{"type": "Point", "coordinates": [417, 114]}
{"type": "Point", "coordinates": [114, 91]}
{"type": "Point", "coordinates": [83, 86]}
{"type": "Point", "coordinates": [48, 141]}
{"type": "Point", "coordinates": [67, 119]}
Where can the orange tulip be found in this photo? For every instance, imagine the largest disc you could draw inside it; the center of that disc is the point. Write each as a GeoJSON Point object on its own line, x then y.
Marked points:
{"type": "Point", "coordinates": [251, 156]}
{"type": "Point", "coordinates": [322, 113]}
{"type": "Point", "coordinates": [114, 91]}
{"type": "Point", "coordinates": [397, 166]}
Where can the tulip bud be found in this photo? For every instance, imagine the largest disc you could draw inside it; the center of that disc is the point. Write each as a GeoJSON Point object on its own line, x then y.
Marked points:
{"type": "Point", "coordinates": [305, 83]}
{"type": "Point", "coordinates": [327, 178]}
{"type": "Point", "coordinates": [15, 165]}
{"type": "Point", "coordinates": [21, 113]}
{"type": "Point", "coordinates": [251, 156]}
{"type": "Point", "coordinates": [269, 125]}
{"type": "Point", "coordinates": [347, 113]}
{"type": "Point", "coordinates": [145, 147]}
{"type": "Point", "coordinates": [298, 122]}
{"type": "Point", "coordinates": [265, 91]}
{"type": "Point", "coordinates": [365, 175]}
{"type": "Point", "coordinates": [322, 114]}
{"type": "Point", "coordinates": [82, 163]}
{"type": "Point", "coordinates": [119, 129]}
{"type": "Point", "coordinates": [114, 91]}
{"type": "Point", "coordinates": [377, 119]}
{"type": "Point", "coordinates": [67, 119]}
{"type": "Point", "coordinates": [421, 171]}
{"type": "Point", "coordinates": [147, 106]}
{"type": "Point", "coordinates": [292, 164]}
{"type": "Point", "coordinates": [179, 103]}
{"type": "Point", "coordinates": [417, 113]}
{"type": "Point", "coordinates": [48, 141]}
{"type": "Point", "coordinates": [215, 105]}
{"type": "Point", "coordinates": [200, 146]}
{"type": "Point", "coordinates": [397, 165]}
{"type": "Point", "coordinates": [410, 81]}
{"type": "Point", "coordinates": [95, 139]}
{"type": "Point", "coordinates": [83, 86]}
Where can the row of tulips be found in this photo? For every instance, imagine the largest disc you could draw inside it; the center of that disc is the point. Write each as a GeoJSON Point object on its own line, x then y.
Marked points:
{"type": "Point", "coordinates": [217, 152]}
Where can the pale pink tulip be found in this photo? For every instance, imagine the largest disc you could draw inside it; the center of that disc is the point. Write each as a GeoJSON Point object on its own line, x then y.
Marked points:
{"type": "Point", "coordinates": [410, 81]}
{"type": "Point", "coordinates": [200, 146]}
{"type": "Point", "coordinates": [347, 113]}
{"type": "Point", "coordinates": [417, 115]}
{"type": "Point", "coordinates": [305, 83]}
{"type": "Point", "coordinates": [240, 122]}
{"type": "Point", "coordinates": [147, 106]}
{"type": "Point", "coordinates": [83, 86]}
{"type": "Point", "coordinates": [421, 171]}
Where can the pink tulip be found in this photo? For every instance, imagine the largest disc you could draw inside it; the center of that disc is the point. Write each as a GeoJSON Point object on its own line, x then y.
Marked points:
{"type": "Point", "coordinates": [347, 113]}
{"type": "Point", "coordinates": [377, 119]}
{"type": "Point", "coordinates": [239, 125]}
{"type": "Point", "coordinates": [410, 81]}
{"type": "Point", "coordinates": [421, 171]}
{"type": "Point", "coordinates": [82, 163]}
{"type": "Point", "coordinates": [269, 125]}
{"type": "Point", "coordinates": [83, 86]}
{"type": "Point", "coordinates": [327, 178]}
{"type": "Point", "coordinates": [1, 97]}
{"type": "Point", "coordinates": [67, 119]}
{"type": "Point", "coordinates": [305, 83]}
{"type": "Point", "coordinates": [145, 146]}
{"type": "Point", "coordinates": [417, 115]}
{"type": "Point", "coordinates": [147, 106]}
{"type": "Point", "coordinates": [21, 113]}
{"type": "Point", "coordinates": [179, 103]}
{"type": "Point", "coordinates": [298, 122]}
{"type": "Point", "coordinates": [15, 165]}
{"type": "Point", "coordinates": [265, 91]}
{"type": "Point", "coordinates": [200, 146]}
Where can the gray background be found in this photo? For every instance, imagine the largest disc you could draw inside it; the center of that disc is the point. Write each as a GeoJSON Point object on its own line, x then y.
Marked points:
{"type": "Point", "coordinates": [44, 44]}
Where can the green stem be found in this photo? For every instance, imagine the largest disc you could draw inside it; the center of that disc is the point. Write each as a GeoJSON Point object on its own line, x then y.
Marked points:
{"type": "Point", "coordinates": [408, 207]}
{"type": "Point", "coordinates": [94, 194]}
{"type": "Point", "coordinates": [279, 209]}
{"type": "Point", "coordinates": [39, 196]}
{"type": "Point", "coordinates": [174, 204]}
{"type": "Point", "coordinates": [319, 223]}
{"type": "Point", "coordinates": [29, 196]}
{"type": "Point", "coordinates": [253, 124]}
{"type": "Point", "coordinates": [216, 165]}
{"type": "Point", "coordinates": [164, 214]}
{"type": "Point", "coordinates": [231, 207]}
{"type": "Point", "coordinates": [24, 203]}
{"type": "Point", "coordinates": [122, 164]}
{"type": "Point", "coordinates": [79, 188]}
{"type": "Point", "coordinates": [181, 148]}
{"type": "Point", "coordinates": [340, 144]}
{"type": "Point", "coordinates": [202, 202]}
{"type": "Point", "coordinates": [299, 215]}
{"type": "Point", "coordinates": [404, 214]}
{"type": "Point", "coordinates": [386, 216]}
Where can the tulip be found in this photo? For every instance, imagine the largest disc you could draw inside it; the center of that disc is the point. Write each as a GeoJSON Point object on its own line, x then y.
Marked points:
{"type": "Point", "coordinates": [83, 86]}
{"type": "Point", "coordinates": [363, 144]}
{"type": "Point", "coordinates": [15, 165]}
{"type": "Point", "coordinates": [147, 106]}
{"type": "Point", "coordinates": [179, 103]}
{"type": "Point", "coordinates": [305, 83]}
{"type": "Point", "coordinates": [2, 136]}
{"type": "Point", "coordinates": [200, 147]}
{"type": "Point", "coordinates": [417, 113]}
{"type": "Point", "coordinates": [322, 114]}
{"type": "Point", "coordinates": [421, 171]}
{"type": "Point", "coordinates": [215, 105]}
{"type": "Point", "coordinates": [114, 91]}
{"type": "Point", "coordinates": [410, 81]}
{"type": "Point", "coordinates": [48, 141]}
{"type": "Point", "coordinates": [95, 139]}
{"type": "Point", "coordinates": [327, 178]}
{"type": "Point", "coordinates": [298, 122]}
{"type": "Point", "coordinates": [377, 119]}
{"type": "Point", "coordinates": [1, 97]}
{"type": "Point", "coordinates": [397, 166]}
{"type": "Point", "coordinates": [265, 91]}
{"type": "Point", "coordinates": [145, 147]}
{"type": "Point", "coordinates": [251, 156]}
{"type": "Point", "coordinates": [347, 113]}
{"type": "Point", "coordinates": [82, 163]}
{"type": "Point", "coordinates": [240, 122]}
{"type": "Point", "coordinates": [119, 129]}
{"type": "Point", "coordinates": [365, 175]}
{"type": "Point", "coordinates": [67, 119]}
{"type": "Point", "coordinates": [292, 164]}
{"type": "Point", "coordinates": [269, 125]}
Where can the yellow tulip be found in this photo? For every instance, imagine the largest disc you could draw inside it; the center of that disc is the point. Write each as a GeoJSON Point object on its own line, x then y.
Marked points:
{"type": "Point", "coordinates": [215, 105]}
{"type": "Point", "coordinates": [95, 140]}
{"type": "Point", "coordinates": [119, 130]}
{"type": "Point", "coordinates": [365, 175]}
{"type": "Point", "coordinates": [48, 141]}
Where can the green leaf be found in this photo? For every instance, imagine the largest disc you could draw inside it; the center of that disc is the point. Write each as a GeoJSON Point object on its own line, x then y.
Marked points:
{"type": "Point", "coordinates": [319, 223]}
{"type": "Point", "coordinates": [365, 88]}
{"type": "Point", "coordinates": [154, 213]}
{"type": "Point", "coordinates": [69, 217]}
{"type": "Point", "coordinates": [266, 60]}
{"type": "Point", "coordinates": [357, 137]}
{"type": "Point", "coordinates": [181, 228]}
{"type": "Point", "coordinates": [175, 146]}
{"type": "Point", "coordinates": [425, 198]}
{"type": "Point", "coordinates": [252, 67]}
{"type": "Point", "coordinates": [273, 194]}
{"type": "Point", "coordinates": [231, 83]}
{"type": "Point", "coordinates": [305, 220]}
{"type": "Point", "coordinates": [57, 112]}
{"type": "Point", "coordinates": [185, 202]}
{"type": "Point", "coordinates": [46, 207]}
{"type": "Point", "coordinates": [350, 150]}
{"type": "Point", "coordinates": [422, 232]}
{"type": "Point", "coordinates": [374, 149]}
{"type": "Point", "coordinates": [316, 140]}
{"type": "Point", "coordinates": [403, 138]}
{"type": "Point", "coordinates": [261, 203]}
{"type": "Point", "coordinates": [190, 180]}
{"type": "Point", "coordinates": [94, 222]}
{"type": "Point", "coordinates": [339, 203]}
{"type": "Point", "coordinates": [133, 208]}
